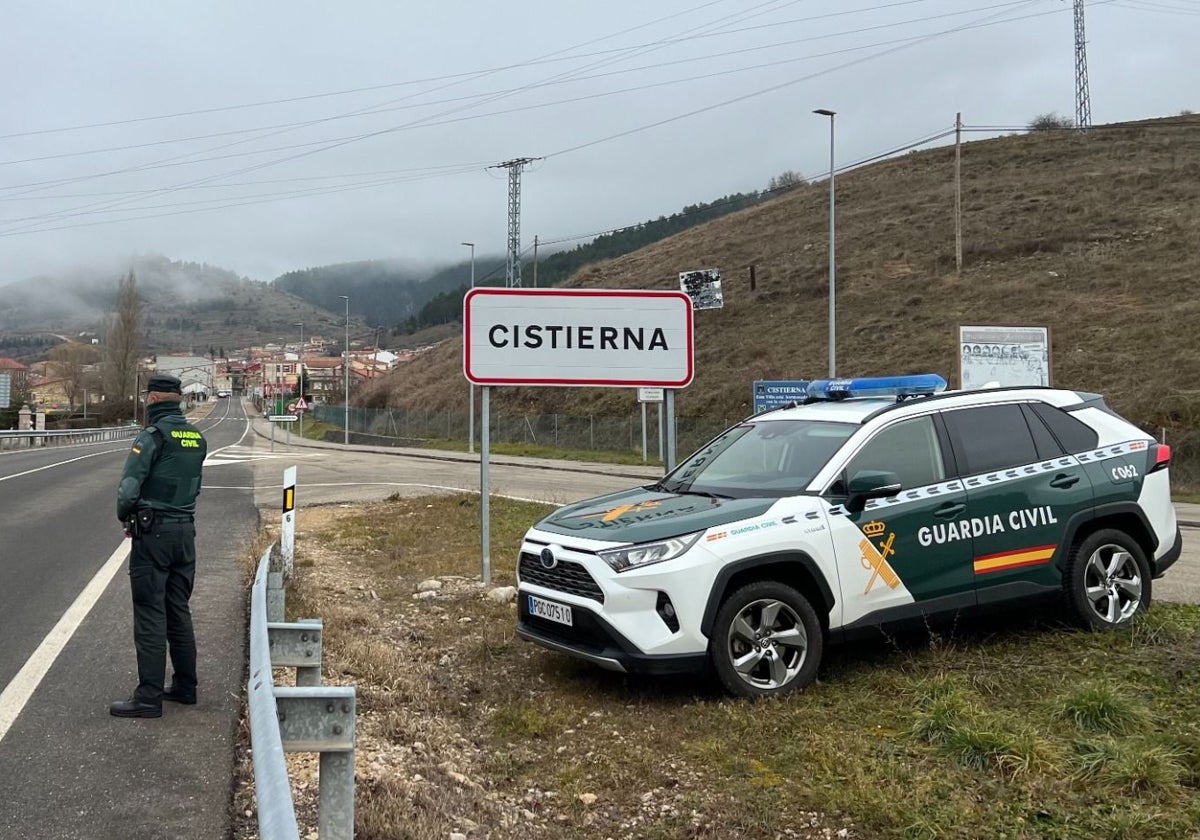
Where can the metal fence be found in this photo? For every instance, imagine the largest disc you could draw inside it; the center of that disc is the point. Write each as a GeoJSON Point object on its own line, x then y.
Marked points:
{"type": "Point", "coordinates": [309, 717]}
{"type": "Point", "coordinates": [24, 439]}
{"type": "Point", "coordinates": [559, 431]}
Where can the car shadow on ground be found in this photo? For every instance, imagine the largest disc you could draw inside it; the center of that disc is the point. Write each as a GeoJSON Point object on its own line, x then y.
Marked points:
{"type": "Point", "coordinates": [970, 636]}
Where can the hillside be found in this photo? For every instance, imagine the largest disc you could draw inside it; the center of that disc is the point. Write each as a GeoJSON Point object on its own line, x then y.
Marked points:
{"type": "Point", "coordinates": [1092, 234]}
{"type": "Point", "coordinates": [188, 307]}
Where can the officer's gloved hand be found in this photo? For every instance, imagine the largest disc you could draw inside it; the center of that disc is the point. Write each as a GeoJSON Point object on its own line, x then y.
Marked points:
{"type": "Point", "coordinates": [127, 526]}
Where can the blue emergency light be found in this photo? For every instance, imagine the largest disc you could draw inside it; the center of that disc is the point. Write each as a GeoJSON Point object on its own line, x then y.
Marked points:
{"type": "Point", "coordinates": [918, 384]}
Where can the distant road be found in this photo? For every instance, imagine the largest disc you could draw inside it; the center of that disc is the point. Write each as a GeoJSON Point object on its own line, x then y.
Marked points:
{"type": "Point", "coordinates": [70, 769]}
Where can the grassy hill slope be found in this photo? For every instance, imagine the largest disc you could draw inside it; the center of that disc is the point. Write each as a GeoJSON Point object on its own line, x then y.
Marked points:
{"type": "Point", "coordinates": [1092, 234]}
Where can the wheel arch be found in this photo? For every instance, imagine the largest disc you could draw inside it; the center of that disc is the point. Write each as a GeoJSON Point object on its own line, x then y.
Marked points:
{"type": "Point", "coordinates": [1126, 517]}
{"type": "Point", "coordinates": [795, 569]}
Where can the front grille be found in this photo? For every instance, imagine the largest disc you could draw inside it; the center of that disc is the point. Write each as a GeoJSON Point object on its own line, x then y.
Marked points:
{"type": "Point", "coordinates": [568, 576]}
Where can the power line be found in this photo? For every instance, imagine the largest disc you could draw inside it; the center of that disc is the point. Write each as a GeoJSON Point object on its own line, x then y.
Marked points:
{"type": "Point", "coordinates": [707, 58]}
{"type": "Point", "coordinates": [906, 42]}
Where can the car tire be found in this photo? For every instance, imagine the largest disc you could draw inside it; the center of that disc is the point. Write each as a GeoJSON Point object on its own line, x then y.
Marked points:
{"type": "Point", "coordinates": [766, 640]}
{"type": "Point", "coordinates": [1107, 580]}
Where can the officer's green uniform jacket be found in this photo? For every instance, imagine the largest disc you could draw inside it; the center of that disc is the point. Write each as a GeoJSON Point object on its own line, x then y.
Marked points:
{"type": "Point", "coordinates": [162, 470]}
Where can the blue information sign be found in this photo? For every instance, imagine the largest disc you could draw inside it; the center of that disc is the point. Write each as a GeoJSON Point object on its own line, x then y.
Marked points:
{"type": "Point", "coordinates": [776, 393]}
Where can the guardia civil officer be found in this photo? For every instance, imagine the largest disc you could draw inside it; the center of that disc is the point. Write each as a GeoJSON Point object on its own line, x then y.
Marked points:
{"type": "Point", "coordinates": [156, 501]}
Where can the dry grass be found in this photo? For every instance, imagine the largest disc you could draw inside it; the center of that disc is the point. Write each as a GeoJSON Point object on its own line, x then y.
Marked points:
{"type": "Point", "coordinates": [1094, 235]}
{"type": "Point", "coordinates": [990, 731]}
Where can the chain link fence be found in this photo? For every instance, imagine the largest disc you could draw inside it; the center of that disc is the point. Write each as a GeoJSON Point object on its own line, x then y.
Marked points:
{"type": "Point", "coordinates": [593, 432]}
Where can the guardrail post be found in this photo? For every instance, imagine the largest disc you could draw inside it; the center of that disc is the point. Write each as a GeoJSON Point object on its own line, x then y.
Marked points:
{"type": "Point", "coordinates": [275, 597]}
{"type": "Point", "coordinates": [297, 645]}
{"type": "Point", "coordinates": [321, 719]}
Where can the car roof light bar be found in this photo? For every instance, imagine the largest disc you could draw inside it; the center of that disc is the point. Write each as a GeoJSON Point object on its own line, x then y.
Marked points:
{"type": "Point", "coordinates": [900, 387]}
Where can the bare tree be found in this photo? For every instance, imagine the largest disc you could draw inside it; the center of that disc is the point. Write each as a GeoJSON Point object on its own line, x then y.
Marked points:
{"type": "Point", "coordinates": [1052, 121]}
{"type": "Point", "coordinates": [786, 180]}
{"type": "Point", "coordinates": [70, 360]}
{"type": "Point", "coordinates": [123, 341]}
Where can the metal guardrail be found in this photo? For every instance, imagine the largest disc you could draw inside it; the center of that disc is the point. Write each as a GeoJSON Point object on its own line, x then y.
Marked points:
{"type": "Point", "coordinates": [309, 717]}
{"type": "Point", "coordinates": [24, 439]}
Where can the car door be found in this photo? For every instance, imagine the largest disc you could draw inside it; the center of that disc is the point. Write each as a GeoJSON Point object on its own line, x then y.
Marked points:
{"type": "Point", "coordinates": [915, 542]}
{"type": "Point", "coordinates": [1023, 489]}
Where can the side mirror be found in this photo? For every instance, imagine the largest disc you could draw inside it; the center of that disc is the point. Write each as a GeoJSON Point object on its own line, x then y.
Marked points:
{"type": "Point", "coordinates": [871, 484]}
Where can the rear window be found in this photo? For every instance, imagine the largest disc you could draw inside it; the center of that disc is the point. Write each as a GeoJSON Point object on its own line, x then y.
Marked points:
{"type": "Point", "coordinates": [1074, 435]}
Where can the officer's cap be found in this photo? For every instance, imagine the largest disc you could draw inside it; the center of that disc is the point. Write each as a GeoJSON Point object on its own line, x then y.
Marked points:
{"type": "Point", "coordinates": [165, 383]}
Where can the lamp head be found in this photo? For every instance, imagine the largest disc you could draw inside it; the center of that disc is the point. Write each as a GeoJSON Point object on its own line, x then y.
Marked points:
{"type": "Point", "coordinates": [825, 112]}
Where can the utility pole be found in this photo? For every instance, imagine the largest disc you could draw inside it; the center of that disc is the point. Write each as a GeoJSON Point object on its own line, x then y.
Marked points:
{"type": "Point", "coordinates": [535, 246]}
{"type": "Point", "coordinates": [958, 192]}
{"type": "Point", "coordinates": [514, 168]}
{"type": "Point", "coordinates": [1083, 99]}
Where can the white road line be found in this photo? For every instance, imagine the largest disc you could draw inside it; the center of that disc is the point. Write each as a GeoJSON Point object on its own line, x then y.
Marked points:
{"type": "Point", "coordinates": [60, 463]}
{"type": "Point", "coordinates": [17, 693]}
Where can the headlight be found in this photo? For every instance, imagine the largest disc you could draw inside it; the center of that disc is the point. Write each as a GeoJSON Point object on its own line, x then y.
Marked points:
{"type": "Point", "coordinates": [636, 556]}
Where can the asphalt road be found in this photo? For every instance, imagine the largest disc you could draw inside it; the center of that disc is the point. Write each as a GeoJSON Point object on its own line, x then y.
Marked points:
{"type": "Point", "coordinates": [71, 770]}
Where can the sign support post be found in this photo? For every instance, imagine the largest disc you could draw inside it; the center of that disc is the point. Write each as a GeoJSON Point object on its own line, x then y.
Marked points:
{"type": "Point", "coordinates": [643, 433]}
{"type": "Point", "coordinates": [485, 487]}
{"type": "Point", "coordinates": [669, 405]}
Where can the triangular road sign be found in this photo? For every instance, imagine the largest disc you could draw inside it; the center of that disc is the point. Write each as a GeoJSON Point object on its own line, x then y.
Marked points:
{"type": "Point", "coordinates": [300, 405]}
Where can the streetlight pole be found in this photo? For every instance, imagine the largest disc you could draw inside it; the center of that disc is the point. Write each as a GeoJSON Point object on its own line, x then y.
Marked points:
{"type": "Point", "coordinates": [346, 368]}
{"type": "Point", "coordinates": [832, 240]}
{"type": "Point", "coordinates": [471, 385]}
{"type": "Point", "coordinates": [300, 375]}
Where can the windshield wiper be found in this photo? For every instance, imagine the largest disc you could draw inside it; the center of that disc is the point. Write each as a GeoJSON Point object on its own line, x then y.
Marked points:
{"type": "Point", "coordinates": [707, 493]}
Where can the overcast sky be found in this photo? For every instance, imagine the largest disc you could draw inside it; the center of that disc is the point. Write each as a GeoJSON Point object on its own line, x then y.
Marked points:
{"type": "Point", "coordinates": [395, 111]}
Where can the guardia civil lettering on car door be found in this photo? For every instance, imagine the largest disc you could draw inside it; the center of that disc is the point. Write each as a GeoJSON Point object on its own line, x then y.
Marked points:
{"type": "Point", "coordinates": [874, 503]}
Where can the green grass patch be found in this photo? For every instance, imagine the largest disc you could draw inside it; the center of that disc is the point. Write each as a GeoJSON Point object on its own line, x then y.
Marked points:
{"type": "Point", "coordinates": [1098, 707]}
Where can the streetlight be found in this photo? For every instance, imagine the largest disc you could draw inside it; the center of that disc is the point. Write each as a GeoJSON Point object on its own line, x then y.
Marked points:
{"type": "Point", "coordinates": [832, 269]}
{"type": "Point", "coordinates": [471, 385]}
{"type": "Point", "coordinates": [346, 367]}
{"type": "Point", "coordinates": [300, 375]}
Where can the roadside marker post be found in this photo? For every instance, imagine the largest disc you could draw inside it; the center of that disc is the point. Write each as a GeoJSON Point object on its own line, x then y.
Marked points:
{"type": "Point", "coordinates": [287, 536]}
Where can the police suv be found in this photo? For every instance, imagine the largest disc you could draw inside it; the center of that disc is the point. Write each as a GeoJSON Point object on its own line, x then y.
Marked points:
{"type": "Point", "coordinates": [873, 503]}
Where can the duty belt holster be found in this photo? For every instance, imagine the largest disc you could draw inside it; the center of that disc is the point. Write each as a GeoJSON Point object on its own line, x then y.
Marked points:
{"type": "Point", "coordinates": [141, 522]}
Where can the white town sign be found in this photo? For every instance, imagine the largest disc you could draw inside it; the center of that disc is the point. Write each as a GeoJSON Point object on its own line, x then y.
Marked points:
{"type": "Point", "coordinates": [577, 337]}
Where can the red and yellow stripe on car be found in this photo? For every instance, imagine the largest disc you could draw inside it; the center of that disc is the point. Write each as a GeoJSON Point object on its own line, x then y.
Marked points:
{"type": "Point", "coordinates": [1006, 560]}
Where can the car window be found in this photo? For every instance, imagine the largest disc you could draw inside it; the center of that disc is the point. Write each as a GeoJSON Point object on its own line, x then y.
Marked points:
{"type": "Point", "coordinates": [765, 458]}
{"type": "Point", "coordinates": [1074, 435]}
{"type": "Point", "coordinates": [990, 438]}
{"type": "Point", "coordinates": [1047, 446]}
{"type": "Point", "coordinates": [909, 449]}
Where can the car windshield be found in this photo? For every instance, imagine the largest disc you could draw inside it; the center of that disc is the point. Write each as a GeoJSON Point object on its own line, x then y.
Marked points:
{"type": "Point", "coordinates": [760, 458]}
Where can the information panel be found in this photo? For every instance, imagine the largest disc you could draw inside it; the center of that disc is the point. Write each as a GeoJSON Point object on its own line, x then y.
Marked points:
{"type": "Point", "coordinates": [776, 393]}
{"type": "Point", "coordinates": [1003, 356]}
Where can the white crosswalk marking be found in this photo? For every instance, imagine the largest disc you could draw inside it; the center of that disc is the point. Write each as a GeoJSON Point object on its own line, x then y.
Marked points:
{"type": "Point", "coordinates": [241, 454]}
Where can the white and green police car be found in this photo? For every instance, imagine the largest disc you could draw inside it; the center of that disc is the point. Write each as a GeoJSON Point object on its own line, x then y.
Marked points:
{"type": "Point", "coordinates": [875, 502]}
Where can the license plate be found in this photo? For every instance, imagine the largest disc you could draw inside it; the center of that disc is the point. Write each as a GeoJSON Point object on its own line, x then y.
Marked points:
{"type": "Point", "coordinates": [550, 611]}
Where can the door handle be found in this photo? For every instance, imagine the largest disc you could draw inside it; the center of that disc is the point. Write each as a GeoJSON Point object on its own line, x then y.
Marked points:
{"type": "Point", "coordinates": [1063, 480]}
{"type": "Point", "coordinates": [950, 510]}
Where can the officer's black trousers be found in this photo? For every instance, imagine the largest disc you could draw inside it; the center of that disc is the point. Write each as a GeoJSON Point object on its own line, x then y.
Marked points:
{"type": "Point", "coordinates": [162, 568]}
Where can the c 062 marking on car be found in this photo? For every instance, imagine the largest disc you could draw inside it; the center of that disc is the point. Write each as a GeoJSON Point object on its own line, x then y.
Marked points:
{"type": "Point", "coordinates": [1127, 472]}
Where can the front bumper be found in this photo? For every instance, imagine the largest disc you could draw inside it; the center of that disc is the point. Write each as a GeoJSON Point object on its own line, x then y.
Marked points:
{"type": "Point", "coordinates": [595, 640]}
{"type": "Point", "coordinates": [1165, 562]}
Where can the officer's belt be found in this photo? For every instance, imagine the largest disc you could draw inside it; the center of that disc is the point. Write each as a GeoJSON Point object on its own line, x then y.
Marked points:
{"type": "Point", "coordinates": [172, 518]}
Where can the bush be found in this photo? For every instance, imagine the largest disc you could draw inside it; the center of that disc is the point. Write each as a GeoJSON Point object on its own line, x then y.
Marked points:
{"type": "Point", "coordinates": [1053, 121]}
{"type": "Point", "coordinates": [786, 180]}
